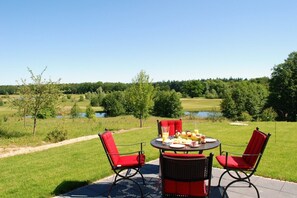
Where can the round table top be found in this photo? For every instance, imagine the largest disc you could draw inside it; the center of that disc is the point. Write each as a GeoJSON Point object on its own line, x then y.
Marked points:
{"type": "Point", "coordinates": [201, 147]}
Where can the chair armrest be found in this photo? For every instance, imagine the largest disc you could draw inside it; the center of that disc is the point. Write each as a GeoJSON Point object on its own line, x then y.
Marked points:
{"type": "Point", "coordinates": [138, 143]}
{"type": "Point", "coordinates": [230, 145]}
{"type": "Point", "coordinates": [129, 153]}
{"type": "Point", "coordinates": [131, 144]}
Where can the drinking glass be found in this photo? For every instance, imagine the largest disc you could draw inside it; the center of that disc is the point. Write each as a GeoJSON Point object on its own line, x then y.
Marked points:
{"type": "Point", "coordinates": [165, 133]}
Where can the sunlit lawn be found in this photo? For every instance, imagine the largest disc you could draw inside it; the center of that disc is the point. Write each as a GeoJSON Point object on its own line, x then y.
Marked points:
{"type": "Point", "coordinates": [201, 104]}
{"type": "Point", "coordinates": [39, 174]}
{"type": "Point", "coordinates": [43, 174]}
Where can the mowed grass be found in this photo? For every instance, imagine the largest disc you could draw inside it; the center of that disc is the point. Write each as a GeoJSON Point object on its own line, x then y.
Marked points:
{"type": "Point", "coordinates": [54, 171]}
{"type": "Point", "coordinates": [58, 170]}
{"type": "Point", "coordinates": [201, 104]}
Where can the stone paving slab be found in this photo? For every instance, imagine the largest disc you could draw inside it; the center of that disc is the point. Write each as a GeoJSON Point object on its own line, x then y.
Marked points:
{"type": "Point", "coordinates": [268, 188]}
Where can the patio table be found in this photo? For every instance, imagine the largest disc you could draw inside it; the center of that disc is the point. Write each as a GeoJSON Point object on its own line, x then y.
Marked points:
{"type": "Point", "coordinates": [200, 148]}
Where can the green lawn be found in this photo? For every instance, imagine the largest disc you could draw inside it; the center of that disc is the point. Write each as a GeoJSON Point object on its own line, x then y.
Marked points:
{"type": "Point", "coordinates": [42, 174]}
{"type": "Point", "coordinates": [54, 171]}
{"type": "Point", "coordinates": [201, 104]}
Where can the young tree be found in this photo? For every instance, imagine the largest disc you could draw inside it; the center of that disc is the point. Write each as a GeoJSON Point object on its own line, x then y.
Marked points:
{"type": "Point", "coordinates": [90, 113]}
{"type": "Point", "coordinates": [38, 95]}
{"type": "Point", "coordinates": [140, 96]}
{"type": "Point", "coordinates": [75, 111]}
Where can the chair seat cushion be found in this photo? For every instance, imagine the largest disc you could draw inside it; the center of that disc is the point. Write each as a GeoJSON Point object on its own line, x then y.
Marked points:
{"type": "Point", "coordinates": [197, 188]}
{"type": "Point", "coordinates": [130, 160]}
{"type": "Point", "coordinates": [233, 162]}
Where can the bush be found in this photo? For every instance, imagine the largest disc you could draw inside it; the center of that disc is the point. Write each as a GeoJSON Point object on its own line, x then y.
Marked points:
{"type": "Point", "coordinates": [167, 104]}
{"type": "Point", "coordinates": [56, 135]}
{"type": "Point", "coordinates": [75, 110]}
{"type": "Point", "coordinates": [245, 116]}
{"type": "Point", "coordinates": [113, 104]}
{"type": "Point", "coordinates": [268, 114]}
{"type": "Point", "coordinates": [81, 99]}
{"type": "Point", "coordinates": [90, 113]}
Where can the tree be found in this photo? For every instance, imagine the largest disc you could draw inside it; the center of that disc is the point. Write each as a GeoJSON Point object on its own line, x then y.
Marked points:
{"type": "Point", "coordinates": [90, 113]}
{"type": "Point", "coordinates": [140, 96]}
{"type": "Point", "coordinates": [75, 111]}
{"type": "Point", "coordinates": [113, 103]}
{"type": "Point", "coordinates": [167, 104]}
{"type": "Point", "coordinates": [244, 98]}
{"type": "Point", "coordinates": [193, 88]}
{"type": "Point", "coordinates": [37, 96]}
{"type": "Point", "coordinates": [283, 88]}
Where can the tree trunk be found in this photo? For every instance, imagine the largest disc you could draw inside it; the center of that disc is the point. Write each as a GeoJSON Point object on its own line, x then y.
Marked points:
{"type": "Point", "coordinates": [140, 121]}
{"type": "Point", "coordinates": [34, 126]}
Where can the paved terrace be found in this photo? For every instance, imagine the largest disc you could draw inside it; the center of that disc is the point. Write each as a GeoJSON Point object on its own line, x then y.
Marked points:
{"type": "Point", "coordinates": [268, 188]}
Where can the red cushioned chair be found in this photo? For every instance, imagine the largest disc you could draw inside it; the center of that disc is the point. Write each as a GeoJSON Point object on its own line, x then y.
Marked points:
{"type": "Point", "coordinates": [174, 126]}
{"type": "Point", "coordinates": [120, 162]}
{"type": "Point", "coordinates": [184, 175]}
{"type": "Point", "coordinates": [247, 163]}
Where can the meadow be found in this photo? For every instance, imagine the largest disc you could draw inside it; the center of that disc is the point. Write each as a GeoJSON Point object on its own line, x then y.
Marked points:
{"type": "Point", "coordinates": [58, 170]}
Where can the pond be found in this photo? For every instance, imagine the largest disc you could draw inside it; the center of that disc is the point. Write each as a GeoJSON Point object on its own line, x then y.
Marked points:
{"type": "Point", "coordinates": [203, 114]}
{"type": "Point", "coordinates": [200, 114]}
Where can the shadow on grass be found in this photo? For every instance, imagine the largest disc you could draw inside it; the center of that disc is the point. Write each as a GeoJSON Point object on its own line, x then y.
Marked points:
{"type": "Point", "coordinates": [67, 186]}
{"type": "Point", "coordinates": [10, 134]}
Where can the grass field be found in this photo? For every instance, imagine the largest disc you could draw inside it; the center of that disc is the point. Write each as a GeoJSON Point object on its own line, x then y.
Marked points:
{"type": "Point", "coordinates": [57, 170]}
{"type": "Point", "coordinates": [201, 104]}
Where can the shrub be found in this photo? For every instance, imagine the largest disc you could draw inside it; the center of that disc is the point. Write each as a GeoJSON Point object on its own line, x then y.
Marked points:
{"type": "Point", "coordinates": [81, 98]}
{"type": "Point", "coordinates": [90, 113]}
{"type": "Point", "coordinates": [167, 104]}
{"type": "Point", "coordinates": [56, 135]}
{"type": "Point", "coordinates": [268, 114]}
{"type": "Point", "coordinates": [75, 110]}
{"type": "Point", "coordinates": [245, 116]}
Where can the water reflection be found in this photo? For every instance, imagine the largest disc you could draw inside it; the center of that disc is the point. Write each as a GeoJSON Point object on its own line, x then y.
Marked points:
{"type": "Point", "coordinates": [203, 114]}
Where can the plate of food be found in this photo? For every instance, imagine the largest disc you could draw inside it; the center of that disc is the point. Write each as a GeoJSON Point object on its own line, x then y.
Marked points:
{"type": "Point", "coordinates": [209, 140]}
{"type": "Point", "coordinates": [177, 145]}
{"type": "Point", "coordinates": [159, 139]}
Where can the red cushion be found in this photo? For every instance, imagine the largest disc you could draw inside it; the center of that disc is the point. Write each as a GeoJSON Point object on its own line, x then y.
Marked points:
{"type": "Point", "coordinates": [255, 146]}
{"type": "Point", "coordinates": [131, 160]}
{"type": "Point", "coordinates": [111, 147]}
{"type": "Point", "coordinates": [175, 125]}
{"type": "Point", "coordinates": [233, 162]}
{"type": "Point", "coordinates": [185, 188]}
{"type": "Point", "coordinates": [197, 188]}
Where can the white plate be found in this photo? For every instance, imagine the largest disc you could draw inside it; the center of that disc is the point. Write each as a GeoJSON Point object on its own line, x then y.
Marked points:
{"type": "Point", "coordinates": [177, 145]}
{"type": "Point", "coordinates": [159, 139]}
{"type": "Point", "coordinates": [194, 146]}
{"type": "Point", "coordinates": [210, 140]}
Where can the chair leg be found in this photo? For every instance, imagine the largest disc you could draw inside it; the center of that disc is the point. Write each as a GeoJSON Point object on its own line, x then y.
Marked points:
{"type": "Point", "coordinates": [219, 184]}
{"type": "Point", "coordinates": [116, 181]}
{"type": "Point", "coordinates": [235, 181]}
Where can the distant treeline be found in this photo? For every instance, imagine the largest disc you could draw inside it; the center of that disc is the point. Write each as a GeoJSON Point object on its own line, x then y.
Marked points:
{"type": "Point", "coordinates": [210, 88]}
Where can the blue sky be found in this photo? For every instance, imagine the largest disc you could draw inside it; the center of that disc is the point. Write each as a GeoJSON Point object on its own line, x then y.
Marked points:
{"type": "Point", "coordinates": [112, 41]}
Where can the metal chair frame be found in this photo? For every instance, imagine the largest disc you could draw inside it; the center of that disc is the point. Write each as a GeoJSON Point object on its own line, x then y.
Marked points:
{"type": "Point", "coordinates": [119, 171]}
{"type": "Point", "coordinates": [247, 173]}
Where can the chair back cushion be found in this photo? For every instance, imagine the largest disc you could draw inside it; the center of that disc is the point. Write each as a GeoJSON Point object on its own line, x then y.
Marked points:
{"type": "Point", "coordinates": [174, 125]}
{"type": "Point", "coordinates": [184, 174]}
{"type": "Point", "coordinates": [255, 146]}
{"type": "Point", "coordinates": [111, 148]}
